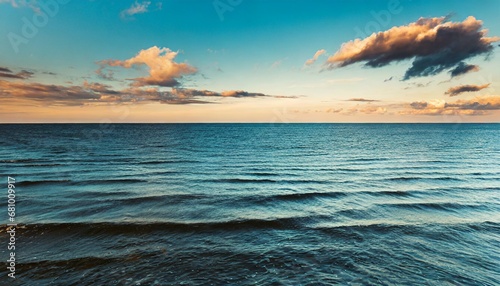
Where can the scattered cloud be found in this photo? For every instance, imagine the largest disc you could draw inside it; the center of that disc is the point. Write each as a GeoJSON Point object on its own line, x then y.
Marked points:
{"type": "Point", "coordinates": [333, 110]}
{"type": "Point", "coordinates": [105, 74]}
{"type": "Point", "coordinates": [463, 68]}
{"type": "Point", "coordinates": [315, 57]}
{"type": "Point", "coordinates": [478, 106]}
{"type": "Point", "coordinates": [7, 73]}
{"type": "Point", "coordinates": [434, 44]}
{"type": "Point", "coordinates": [276, 64]}
{"type": "Point", "coordinates": [23, 3]}
{"type": "Point", "coordinates": [6, 70]}
{"type": "Point", "coordinates": [388, 79]}
{"type": "Point", "coordinates": [417, 84]}
{"type": "Point", "coordinates": [136, 8]}
{"type": "Point", "coordinates": [454, 91]}
{"type": "Point", "coordinates": [362, 100]}
{"type": "Point", "coordinates": [163, 70]}
{"type": "Point", "coordinates": [373, 110]}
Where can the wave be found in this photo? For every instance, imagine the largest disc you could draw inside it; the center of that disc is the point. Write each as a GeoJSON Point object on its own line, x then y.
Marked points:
{"type": "Point", "coordinates": [305, 196]}
{"type": "Point", "coordinates": [433, 206]}
{"type": "Point", "coordinates": [263, 174]}
{"type": "Point", "coordinates": [43, 182]}
{"type": "Point", "coordinates": [237, 180]}
{"type": "Point", "coordinates": [488, 226]}
{"type": "Point", "coordinates": [22, 161]}
{"type": "Point", "coordinates": [159, 162]}
{"type": "Point", "coordinates": [172, 198]}
{"type": "Point", "coordinates": [422, 178]}
{"type": "Point", "coordinates": [102, 228]}
{"type": "Point", "coordinates": [241, 180]}
{"type": "Point", "coordinates": [70, 182]}
{"type": "Point", "coordinates": [298, 223]}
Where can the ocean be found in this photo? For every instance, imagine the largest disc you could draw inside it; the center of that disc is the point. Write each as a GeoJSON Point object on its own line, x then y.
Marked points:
{"type": "Point", "coordinates": [252, 204]}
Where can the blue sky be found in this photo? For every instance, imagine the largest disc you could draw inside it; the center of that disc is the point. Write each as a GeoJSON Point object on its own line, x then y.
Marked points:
{"type": "Point", "coordinates": [255, 46]}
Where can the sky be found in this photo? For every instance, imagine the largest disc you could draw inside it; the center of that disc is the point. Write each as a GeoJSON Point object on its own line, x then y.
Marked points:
{"type": "Point", "coordinates": [249, 61]}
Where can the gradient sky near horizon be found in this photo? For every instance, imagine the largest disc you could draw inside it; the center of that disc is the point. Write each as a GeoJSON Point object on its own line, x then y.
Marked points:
{"type": "Point", "coordinates": [249, 61]}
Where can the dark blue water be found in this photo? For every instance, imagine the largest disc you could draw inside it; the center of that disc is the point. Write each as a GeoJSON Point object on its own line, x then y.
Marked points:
{"type": "Point", "coordinates": [254, 204]}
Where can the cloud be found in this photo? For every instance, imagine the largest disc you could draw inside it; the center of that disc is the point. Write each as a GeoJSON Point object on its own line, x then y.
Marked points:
{"type": "Point", "coordinates": [186, 93]}
{"type": "Point", "coordinates": [373, 110]}
{"type": "Point", "coordinates": [454, 91]}
{"type": "Point", "coordinates": [163, 70]}
{"type": "Point", "coordinates": [6, 70]}
{"type": "Point", "coordinates": [365, 110]}
{"type": "Point", "coordinates": [53, 94]}
{"type": "Point", "coordinates": [7, 73]}
{"type": "Point", "coordinates": [23, 3]}
{"type": "Point", "coordinates": [276, 64]}
{"type": "Point", "coordinates": [478, 106]}
{"type": "Point", "coordinates": [417, 84]}
{"type": "Point", "coordinates": [136, 8]}
{"type": "Point", "coordinates": [315, 57]}
{"type": "Point", "coordinates": [362, 100]}
{"type": "Point", "coordinates": [432, 43]}
{"type": "Point", "coordinates": [463, 68]}
{"type": "Point", "coordinates": [106, 75]}
{"type": "Point", "coordinates": [98, 93]}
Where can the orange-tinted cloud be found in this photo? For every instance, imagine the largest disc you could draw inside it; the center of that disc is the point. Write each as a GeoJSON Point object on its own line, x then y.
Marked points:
{"type": "Point", "coordinates": [433, 43]}
{"type": "Point", "coordinates": [163, 70]}
{"type": "Point", "coordinates": [47, 94]}
{"type": "Point", "coordinates": [98, 93]}
{"type": "Point", "coordinates": [478, 106]}
{"type": "Point", "coordinates": [454, 91]}
{"type": "Point", "coordinates": [315, 57]}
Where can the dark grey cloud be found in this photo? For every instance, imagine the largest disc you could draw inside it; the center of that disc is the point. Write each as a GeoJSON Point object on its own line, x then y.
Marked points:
{"type": "Point", "coordinates": [454, 91]}
{"type": "Point", "coordinates": [362, 100]}
{"type": "Point", "coordinates": [463, 68]}
{"type": "Point", "coordinates": [5, 70]}
{"type": "Point", "coordinates": [24, 74]}
{"type": "Point", "coordinates": [418, 105]}
{"type": "Point", "coordinates": [434, 45]}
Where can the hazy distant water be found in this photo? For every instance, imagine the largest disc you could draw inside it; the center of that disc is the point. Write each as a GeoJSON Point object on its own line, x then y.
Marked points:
{"type": "Point", "coordinates": [263, 204]}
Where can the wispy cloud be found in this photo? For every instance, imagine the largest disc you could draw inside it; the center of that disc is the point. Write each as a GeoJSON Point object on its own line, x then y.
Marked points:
{"type": "Point", "coordinates": [136, 8]}
{"type": "Point", "coordinates": [454, 91]}
{"type": "Point", "coordinates": [434, 44]}
{"type": "Point", "coordinates": [315, 57]}
{"type": "Point", "coordinates": [23, 3]}
{"type": "Point", "coordinates": [362, 100]}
